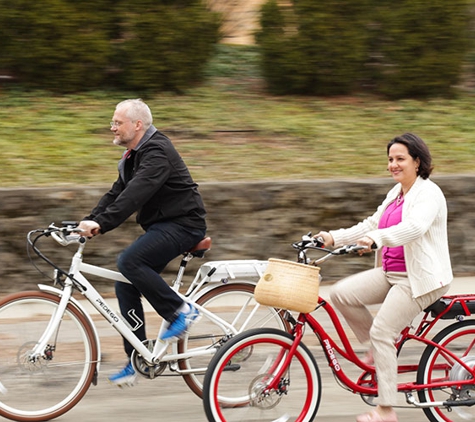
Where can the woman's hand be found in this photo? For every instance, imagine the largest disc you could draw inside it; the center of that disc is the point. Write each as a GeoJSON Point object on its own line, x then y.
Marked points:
{"type": "Point", "coordinates": [367, 242]}
{"type": "Point", "coordinates": [327, 238]}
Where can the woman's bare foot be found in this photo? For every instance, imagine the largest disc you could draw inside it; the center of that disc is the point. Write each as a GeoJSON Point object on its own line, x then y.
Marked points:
{"type": "Point", "coordinates": [368, 358]}
{"type": "Point", "coordinates": [381, 414]}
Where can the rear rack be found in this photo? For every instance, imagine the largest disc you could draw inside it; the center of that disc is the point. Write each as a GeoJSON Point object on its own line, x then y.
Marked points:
{"type": "Point", "coordinates": [452, 307]}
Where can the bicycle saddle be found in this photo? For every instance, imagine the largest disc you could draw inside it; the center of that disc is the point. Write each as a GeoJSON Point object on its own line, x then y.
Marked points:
{"type": "Point", "coordinates": [199, 249]}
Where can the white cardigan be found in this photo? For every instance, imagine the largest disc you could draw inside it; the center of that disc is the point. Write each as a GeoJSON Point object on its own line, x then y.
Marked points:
{"type": "Point", "coordinates": [422, 232]}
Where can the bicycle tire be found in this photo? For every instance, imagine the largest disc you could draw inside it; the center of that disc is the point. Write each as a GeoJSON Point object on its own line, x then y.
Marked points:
{"type": "Point", "coordinates": [237, 375]}
{"type": "Point", "coordinates": [222, 301]}
{"type": "Point", "coordinates": [52, 385]}
{"type": "Point", "coordinates": [459, 338]}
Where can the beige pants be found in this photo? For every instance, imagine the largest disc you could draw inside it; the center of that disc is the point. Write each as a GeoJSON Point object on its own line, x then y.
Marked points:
{"type": "Point", "coordinates": [398, 308]}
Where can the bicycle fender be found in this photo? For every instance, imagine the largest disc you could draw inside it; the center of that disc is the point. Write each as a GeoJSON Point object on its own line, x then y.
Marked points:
{"type": "Point", "coordinates": [213, 286]}
{"type": "Point", "coordinates": [77, 304]}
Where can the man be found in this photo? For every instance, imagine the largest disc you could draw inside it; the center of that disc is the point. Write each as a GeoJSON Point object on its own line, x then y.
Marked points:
{"type": "Point", "coordinates": [153, 181]}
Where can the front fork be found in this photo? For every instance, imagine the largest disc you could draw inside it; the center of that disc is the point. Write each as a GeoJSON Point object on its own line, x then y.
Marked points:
{"type": "Point", "coordinates": [282, 363]}
{"type": "Point", "coordinates": [67, 298]}
{"type": "Point", "coordinates": [45, 347]}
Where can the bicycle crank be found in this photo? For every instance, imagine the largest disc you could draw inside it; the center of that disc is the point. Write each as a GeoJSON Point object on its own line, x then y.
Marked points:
{"type": "Point", "coordinates": [142, 367]}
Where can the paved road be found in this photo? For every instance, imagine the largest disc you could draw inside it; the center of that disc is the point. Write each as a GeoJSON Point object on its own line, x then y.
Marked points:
{"type": "Point", "coordinates": [168, 398]}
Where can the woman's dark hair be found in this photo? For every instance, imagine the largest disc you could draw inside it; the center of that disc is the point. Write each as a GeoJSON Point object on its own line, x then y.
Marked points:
{"type": "Point", "coordinates": [417, 149]}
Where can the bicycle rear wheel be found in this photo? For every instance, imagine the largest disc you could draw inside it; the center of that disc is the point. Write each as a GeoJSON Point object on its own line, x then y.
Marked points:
{"type": "Point", "coordinates": [45, 388]}
{"type": "Point", "coordinates": [235, 304]}
{"type": "Point", "coordinates": [437, 366]}
{"type": "Point", "coordinates": [235, 386]}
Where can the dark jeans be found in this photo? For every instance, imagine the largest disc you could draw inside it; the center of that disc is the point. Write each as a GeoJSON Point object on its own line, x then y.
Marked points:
{"type": "Point", "coordinates": [142, 262]}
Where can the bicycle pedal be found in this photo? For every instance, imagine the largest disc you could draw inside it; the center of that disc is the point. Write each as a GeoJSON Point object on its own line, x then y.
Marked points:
{"type": "Point", "coordinates": [123, 385]}
{"type": "Point", "coordinates": [233, 367]}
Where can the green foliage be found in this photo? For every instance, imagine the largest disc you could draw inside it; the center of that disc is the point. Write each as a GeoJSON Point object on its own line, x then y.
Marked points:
{"type": "Point", "coordinates": [233, 61]}
{"type": "Point", "coordinates": [410, 48]}
{"type": "Point", "coordinates": [167, 48]}
{"type": "Point", "coordinates": [68, 45]}
{"type": "Point", "coordinates": [49, 45]}
{"type": "Point", "coordinates": [314, 48]}
{"type": "Point", "coordinates": [422, 46]}
{"type": "Point", "coordinates": [277, 67]}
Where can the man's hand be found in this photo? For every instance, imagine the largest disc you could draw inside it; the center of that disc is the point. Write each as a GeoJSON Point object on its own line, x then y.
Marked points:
{"type": "Point", "coordinates": [90, 228]}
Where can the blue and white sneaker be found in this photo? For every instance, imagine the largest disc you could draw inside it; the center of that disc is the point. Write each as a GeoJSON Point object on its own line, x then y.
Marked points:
{"type": "Point", "coordinates": [125, 377]}
{"type": "Point", "coordinates": [181, 323]}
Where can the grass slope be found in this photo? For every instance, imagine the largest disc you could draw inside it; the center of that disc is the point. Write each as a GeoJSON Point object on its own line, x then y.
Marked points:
{"type": "Point", "coordinates": [229, 129]}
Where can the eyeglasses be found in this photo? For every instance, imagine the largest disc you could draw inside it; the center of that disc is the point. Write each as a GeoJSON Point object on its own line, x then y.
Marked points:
{"type": "Point", "coordinates": [116, 124]}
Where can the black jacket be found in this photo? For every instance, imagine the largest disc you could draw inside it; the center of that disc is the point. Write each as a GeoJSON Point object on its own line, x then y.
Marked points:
{"type": "Point", "coordinates": [154, 181]}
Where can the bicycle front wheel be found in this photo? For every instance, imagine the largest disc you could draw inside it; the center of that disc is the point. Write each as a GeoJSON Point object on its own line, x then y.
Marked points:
{"type": "Point", "coordinates": [45, 387]}
{"type": "Point", "coordinates": [236, 386]}
{"type": "Point", "coordinates": [437, 366]}
{"type": "Point", "coordinates": [235, 304]}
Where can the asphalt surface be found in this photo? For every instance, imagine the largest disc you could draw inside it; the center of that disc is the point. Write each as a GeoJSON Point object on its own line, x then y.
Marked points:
{"type": "Point", "coordinates": [168, 398]}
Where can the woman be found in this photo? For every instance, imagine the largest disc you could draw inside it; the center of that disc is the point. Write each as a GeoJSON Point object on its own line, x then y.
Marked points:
{"type": "Point", "coordinates": [409, 230]}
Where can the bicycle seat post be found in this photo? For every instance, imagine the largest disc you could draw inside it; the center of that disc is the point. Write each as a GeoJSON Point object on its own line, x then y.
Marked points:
{"type": "Point", "coordinates": [199, 251]}
{"type": "Point", "coordinates": [177, 283]}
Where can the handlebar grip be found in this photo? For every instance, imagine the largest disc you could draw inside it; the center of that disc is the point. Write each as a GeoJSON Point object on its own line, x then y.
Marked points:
{"type": "Point", "coordinates": [65, 240]}
{"type": "Point", "coordinates": [319, 242]}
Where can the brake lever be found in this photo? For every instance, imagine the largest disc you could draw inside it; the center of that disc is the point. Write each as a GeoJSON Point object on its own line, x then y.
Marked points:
{"type": "Point", "coordinates": [66, 236]}
{"type": "Point", "coordinates": [313, 241]}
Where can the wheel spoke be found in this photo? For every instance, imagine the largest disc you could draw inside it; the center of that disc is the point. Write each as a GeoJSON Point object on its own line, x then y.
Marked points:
{"type": "Point", "coordinates": [55, 382]}
{"type": "Point", "coordinates": [235, 304]}
{"type": "Point", "coordinates": [437, 366]}
{"type": "Point", "coordinates": [259, 389]}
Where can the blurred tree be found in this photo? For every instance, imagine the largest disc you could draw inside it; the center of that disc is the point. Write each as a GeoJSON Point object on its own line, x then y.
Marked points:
{"type": "Point", "coordinates": [329, 47]}
{"type": "Point", "coordinates": [49, 45]}
{"type": "Point", "coordinates": [166, 44]}
{"type": "Point", "coordinates": [69, 45]}
{"type": "Point", "coordinates": [314, 47]}
{"type": "Point", "coordinates": [422, 46]}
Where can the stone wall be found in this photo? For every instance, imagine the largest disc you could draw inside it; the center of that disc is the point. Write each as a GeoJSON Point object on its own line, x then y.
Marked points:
{"type": "Point", "coordinates": [246, 221]}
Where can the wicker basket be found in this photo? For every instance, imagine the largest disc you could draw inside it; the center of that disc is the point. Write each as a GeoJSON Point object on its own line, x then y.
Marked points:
{"type": "Point", "coordinates": [289, 285]}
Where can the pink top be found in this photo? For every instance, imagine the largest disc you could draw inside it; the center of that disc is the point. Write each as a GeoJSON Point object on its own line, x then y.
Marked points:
{"type": "Point", "coordinates": [393, 258]}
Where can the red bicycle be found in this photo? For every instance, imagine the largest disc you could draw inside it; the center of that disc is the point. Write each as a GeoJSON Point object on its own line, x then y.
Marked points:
{"type": "Point", "coordinates": [271, 375]}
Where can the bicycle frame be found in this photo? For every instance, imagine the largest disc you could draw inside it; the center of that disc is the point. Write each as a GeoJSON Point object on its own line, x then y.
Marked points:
{"type": "Point", "coordinates": [363, 385]}
{"type": "Point", "coordinates": [272, 373]}
{"type": "Point", "coordinates": [76, 279]}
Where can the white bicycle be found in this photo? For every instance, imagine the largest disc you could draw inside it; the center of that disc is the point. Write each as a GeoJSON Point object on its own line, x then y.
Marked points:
{"type": "Point", "coordinates": [50, 349]}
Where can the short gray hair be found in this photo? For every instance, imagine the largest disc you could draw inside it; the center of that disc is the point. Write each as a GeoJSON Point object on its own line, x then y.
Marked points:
{"type": "Point", "coordinates": [136, 109]}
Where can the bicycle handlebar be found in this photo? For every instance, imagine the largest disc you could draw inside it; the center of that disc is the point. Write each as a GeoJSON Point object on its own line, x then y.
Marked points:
{"type": "Point", "coordinates": [67, 239]}
{"type": "Point", "coordinates": [65, 235]}
{"type": "Point", "coordinates": [309, 242]}
{"type": "Point", "coordinates": [317, 244]}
